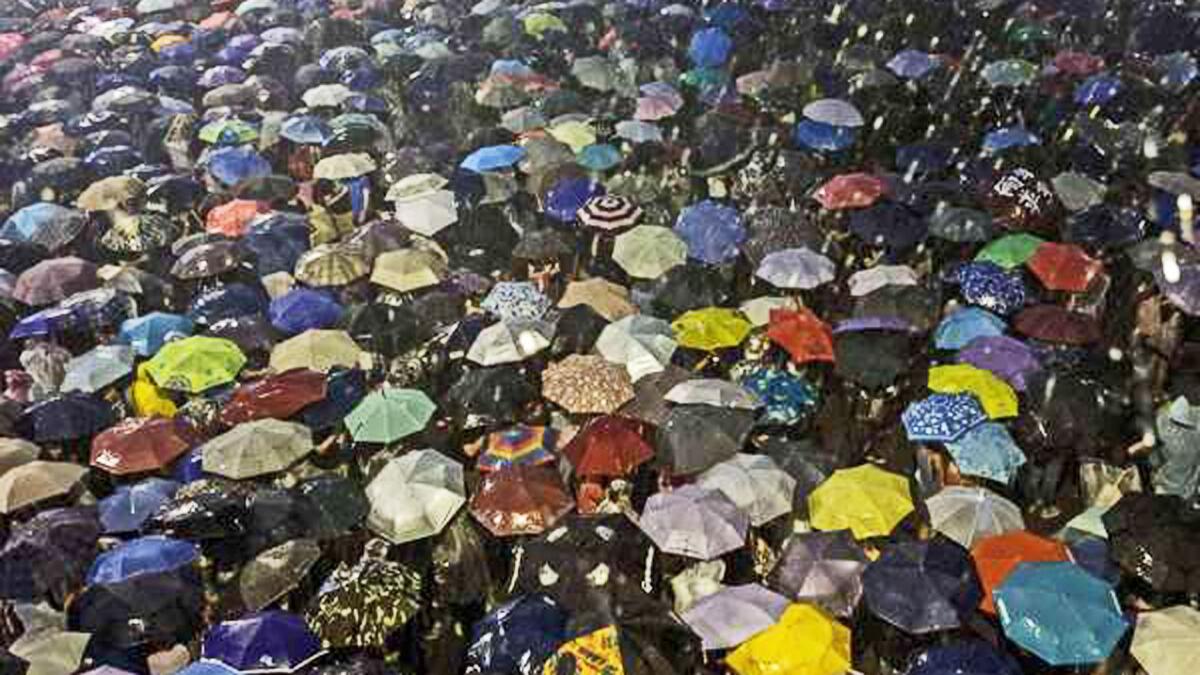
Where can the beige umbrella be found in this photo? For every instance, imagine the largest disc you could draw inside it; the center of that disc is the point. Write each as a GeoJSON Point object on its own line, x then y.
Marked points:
{"type": "Point", "coordinates": [610, 300]}
{"type": "Point", "coordinates": [317, 350]}
{"type": "Point", "coordinates": [415, 496]}
{"type": "Point", "coordinates": [648, 251]}
{"type": "Point", "coordinates": [37, 481]}
{"type": "Point", "coordinates": [586, 384]}
{"type": "Point", "coordinates": [276, 572]}
{"type": "Point", "coordinates": [1166, 641]}
{"type": "Point", "coordinates": [51, 651]}
{"type": "Point", "coordinates": [510, 342]}
{"type": "Point", "coordinates": [414, 186]}
{"type": "Point", "coordinates": [14, 452]}
{"type": "Point", "coordinates": [331, 265]}
{"type": "Point", "coordinates": [326, 95]}
{"type": "Point", "coordinates": [110, 193]}
{"type": "Point", "coordinates": [408, 269]}
{"type": "Point", "coordinates": [346, 165]}
{"type": "Point", "coordinates": [256, 448]}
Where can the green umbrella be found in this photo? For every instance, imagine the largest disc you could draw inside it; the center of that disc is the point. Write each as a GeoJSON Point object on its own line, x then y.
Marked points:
{"type": "Point", "coordinates": [1010, 250]}
{"type": "Point", "coordinates": [228, 132]}
{"type": "Point", "coordinates": [389, 414]}
{"type": "Point", "coordinates": [1009, 73]}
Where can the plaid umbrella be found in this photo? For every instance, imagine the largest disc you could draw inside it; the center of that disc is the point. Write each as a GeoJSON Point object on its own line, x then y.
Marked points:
{"type": "Point", "coordinates": [331, 265]}
{"type": "Point", "coordinates": [586, 384]}
{"type": "Point", "coordinates": [360, 605]}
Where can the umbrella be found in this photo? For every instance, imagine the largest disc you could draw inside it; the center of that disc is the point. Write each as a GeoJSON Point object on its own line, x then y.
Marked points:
{"type": "Point", "coordinates": [318, 350]}
{"type": "Point", "coordinates": [995, 395]}
{"type": "Point", "coordinates": [1008, 358]}
{"type": "Point", "coordinates": [139, 445]}
{"type": "Point", "coordinates": [969, 514]}
{"type": "Point", "coordinates": [872, 279]}
{"type": "Point", "coordinates": [127, 509]}
{"type": "Point", "coordinates": [331, 265]}
{"type": "Point", "coordinates": [586, 384]}
{"type": "Point", "coordinates": [712, 231]}
{"type": "Point", "coordinates": [922, 586]}
{"type": "Point", "coordinates": [991, 287]}
{"type": "Point", "coordinates": [964, 325]}
{"type": "Point", "coordinates": [408, 270]}
{"type": "Point", "coordinates": [45, 224]}
{"type": "Point", "coordinates": [196, 363]}
{"type": "Point", "coordinates": [1009, 73]}
{"type": "Point", "coordinates": [658, 100]}
{"type": "Point", "coordinates": [1064, 267]}
{"type": "Point", "coordinates": [148, 608]}
{"type": "Point", "coordinates": [1011, 250]}
{"type": "Point", "coordinates": [339, 505]}
{"type": "Point", "coordinates": [609, 300]}
{"type": "Point", "coordinates": [850, 191]}
{"type": "Point", "coordinates": [694, 438]}
{"type": "Point", "coordinates": [510, 342]}
{"type": "Point", "coordinates": [67, 417]}
{"type": "Point", "coordinates": [256, 448]}
{"type": "Point", "coordinates": [519, 300]}
{"type": "Point", "coordinates": [1150, 537]}
{"type": "Point", "coordinates": [149, 332]}
{"type": "Point", "coordinates": [231, 165]}
{"type": "Point", "coordinates": [607, 446]}
{"type": "Point", "coordinates": [865, 499]}
{"type": "Point", "coordinates": [52, 651]}
{"type": "Point", "coordinates": [1053, 323]}
{"type": "Point", "coordinates": [518, 445]}
{"type": "Point", "coordinates": [967, 657]}
{"type": "Point", "coordinates": [609, 212]}
{"type": "Point", "coordinates": [493, 158]}
{"type": "Point", "coordinates": [798, 268]}
{"type": "Point", "coordinates": [305, 129]}
{"type": "Point", "coordinates": [279, 395]}
{"type": "Point", "coordinates": [143, 555]}
{"type": "Point", "coordinates": [520, 500]}
{"type": "Point", "coordinates": [942, 417]}
{"type": "Point", "coordinates": [228, 302]}
{"type": "Point", "coordinates": [912, 64]}
{"type": "Point", "coordinates": [987, 451]}
{"type": "Point", "coordinates": [821, 568]}
{"type": "Point", "coordinates": [48, 555]}
{"type": "Point", "coordinates": [233, 218]}
{"type": "Point", "coordinates": [53, 280]}
{"type": "Point", "coordinates": [360, 605]}
{"type": "Point", "coordinates": [301, 309]}
{"type": "Point", "coordinates": [998, 555]}
{"type": "Point", "coordinates": [695, 522]}
{"type": "Point", "coordinates": [415, 496]}
{"type": "Point", "coordinates": [1060, 613]}
{"type": "Point", "coordinates": [276, 571]}
{"type": "Point", "coordinates": [272, 641]}
{"type": "Point", "coordinates": [648, 251]}
{"type": "Point", "coordinates": [1165, 639]}
{"type": "Point", "coordinates": [734, 614]}
{"type": "Point", "coordinates": [802, 334]}
{"type": "Point", "coordinates": [428, 213]}
{"type": "Point", "coordinates": [345, 166]}
{"type": "Point", "coordinates": [1079, 192]}
{"type": "Point", "coordinates": [804, 640]}
{"type": "Point", "coordinates": [389, 414]}
{"type": "Point", "coordinates": [711, 328]}
{"type": "Point", "coordinates": [834, 112]}
{"type": "Point", "coordinates": [94, 370]}
{"type": "Point", "coordinates": [524, 630]}
{"type": "Point", "coordinates": [823, 137]}
{"type": "Point", "coordinates": [713, 392]}
{"type": "Point", "coordinates": [754, 483]}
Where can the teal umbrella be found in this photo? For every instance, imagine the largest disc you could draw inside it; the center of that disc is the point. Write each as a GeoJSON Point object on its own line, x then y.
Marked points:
{"type": "Point", "coordinates": [389, 414]}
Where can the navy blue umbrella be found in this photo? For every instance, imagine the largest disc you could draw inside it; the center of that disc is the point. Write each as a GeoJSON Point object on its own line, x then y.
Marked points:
{"type": "Point", "coordinates": [271, 640]}
{"type": "Point", "coordinates": [277, 242]}
{"type": "Point", "coordinates": [227, 302]}
{"type": "Point", "coordinates": [48, 555]}
{"type": "Point", "coordinates": [990, 286]}
{"type": "Point", "coordinates": [153, 553]}
{"type": "Point", "coordinates": [48, 321]}
{"type": "Point", "coordinates": [131, 505]}
{"type": "Point", "coordinates": [969, 657]}
{"type": "Point", "coordinates": [923, 586]}
{"type": "Point", "coordinates": [344, 389]}
{"type": "Point", "coordinates": [301, 309]}
{"type": "Point", "coordinates": [524, 630]}
{"type": "Point", "coordinates": [814, 135]}
{"type": "Point", "coordinates": [66, 417]}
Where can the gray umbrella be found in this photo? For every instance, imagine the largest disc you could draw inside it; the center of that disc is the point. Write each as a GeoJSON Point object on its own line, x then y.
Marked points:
{"type": "Point", "coordinates": [695, 522]}
{"type": "Point", "coordinates": [92, 371]}
{"type": "Point", "coordinates": [276, 571]}
{"type": "Point", "coordinates": [824, 568]}
{"type": "Point", "coordinates": [696, 437]}
{"type": "Point", "coordinates": [734, 614]}
{"type": "Point", "coordinates": [1176, 458]}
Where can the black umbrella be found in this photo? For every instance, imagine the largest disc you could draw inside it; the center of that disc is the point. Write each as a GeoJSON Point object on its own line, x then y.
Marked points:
{"type": "Point", "coordinates": [576, 331]}
{"type": "Point", "coordinates": [1156, 538]}
{"type": "Point", "coordinates": [497, 394]}
{"type": "Point", "coordinates": [338, 505]}
{"type": "Point", "coordinates": [1065, 410]}
{"type": "Point", "coordinates": [386, 329]}
{"type": "Point", "coordinates": [18, 256]}
{"type": "Point", "coordinates": [918, 306]}
{"type": "Point", "coordinates": [269, 188]}
{"type": "Point", "coordinates": [49, 555]}
{"type": "Point", "coordinates": [695, 437]}
{"type": "Point", "coordinates": [276, 516]}
{"type": "Point", "coordinates": [543, 244]}
{"type": "Point", "coordinates": [687, 287]}
{"type": "Point", "coordinates": [150, 608]}
{"type": "Point", "coordinates": [209, 515]}
{"type": "Point", "coordinates": [923, 586]}
{"type": "Point", "coordinates": [66, 417]}
{"type": "Point", "coordinates": [872, 358]}
{"type": "Point", "coordinates": [889, 225]}
{"type": "Point", "coordinates": [775, 228]}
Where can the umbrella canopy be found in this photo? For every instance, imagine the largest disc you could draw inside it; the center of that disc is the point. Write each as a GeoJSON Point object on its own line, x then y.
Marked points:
{"type": "Point", "coordinates": [1165, 639]}
{"type": "Point", "coordinates": [821, 568]}
{"type": "Point", "coordinates": [127, 509]}
{"type": "Point", "coordinates": [586, 384]}
{"type": "Point", "coordinates": [272, 640]}
{"type": "Point", "coordinates": [712, 231]}
{"type": "Point", "coordinates": [607, 446]}
{"type": "Point", "coordinates": [1053, 323]}
{"type": "Point", "coordinates": [318, 350]}
{"type": "Point", "coordinates": [149, 332]}
{"type": "Point", "coordinates": [609, 300]}
{"type": "Point", "coordinates": [967, 657]}
{"type": "Point", "coordinates": [865, 499]}
{"type": "Point", "coordinates": [331, 265]}
{"type": "Point", "coordinates": [834, 112]}
{"type": "Point", "coordinates": [754, 483]}
{"type": "Point", "coordinates": [987, 451]}
{"type": "Point", "coordinates": [390, 414]}
{"type": "Point", "coordinates": [734, 614]}
{"type": "Point", "coordinates": [711, 328]}
{"type": "Point", "coordinates": [415, 496]}
{"type": "Point", "coordinates": [1064, 267]}
{"type": "Point", "coordinates": [796, 268]}
{"type": "Point", "coordinates": [922, 586]}
{"type": "Point", "coordinates": [1150, 537]}
{"type": "Point", "coordinates": [276, 571]}
{"type": "Point", "coordinates": [850, 191]}
{"type": "Point", "coordinates": [35, 482]}
{"type": "Point", "coordinates": [526, 629]}
{"type": "Point", "coordinates": [520, 500]}
{"type": "Point", "coordinates": [714, 392]}
{"type": "Point", "coordinates": [256, 448]}
{"type": "Point", "coordinates": [695, 522]}
{"type": "Point", "coordinates": [48, 555]}
{"type": "Point", "coordinates": [969, 514]}
{"type": "Point", "coordinates": [141, 444]}
{"type": "Point", "coordinates": [1060, 613]}
{"type": "Point", "coordinates": [341, 167]}
{"type": "Point", "coordinates": [995, 395]}
{"type": "Point", "coordinates": [518, 445]}
{"type": "Point", "coordinates": [998, 555]}
{"type": "Point", "coordinates": [642, 344]}
{"type": "Point", "coordinates": [942, 417]}
{"type": "Point", "coordinates": [361, 605]}
{"type": "Point", "coordinates": [196, 363]}
{"type": "Point", "coordinates": [960, 328]}
{"type": "Point", "coordinates": [94, 370]}
{"type": "Point", "coordinates": [804, 640]}
{"type": "Point", "coordinates": [45, 224]}
{"type": "Point", "coordinates": [302, 309]}
{"type": "Point", "coordinates": [143, 555]}
{"type": "Point", "coordinates": [408, 270]}
{"type": "Point", "coordinates": [609, 212]}
{"type": "Point", "coordinates": [648, 251]}
{"type": "Point", "coordinates": [519, 300]}
{"type": "Point", "coordinates": [693, 438]}
{"type": "Point", "coordinates": [510, 342]}
{"type": "Point", "coordinates": [279, 395]}
{"type": "Point", "coordinates": [54, 280]}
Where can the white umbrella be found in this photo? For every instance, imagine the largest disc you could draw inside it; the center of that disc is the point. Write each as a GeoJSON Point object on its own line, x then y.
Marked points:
{"type": "Point", "coordinates": [1166, 641]}
{"type": "Point", "coordinates": [415, 186]}
{"type": "Point", "coordinates": [694, 522]}
{"type": "Point", "coordinates": [346, 165]}
{"type": "Point", "coordinates": [755, 483]}
{"type": "Point", "coordinates": [326, 95]}
{"type": "Point", "coordinates": [415, 496]}
{"type": "Point", "coordinates": [714, 392]}
{"type": "Point", "coordinates": [968, 514]}
{"type": "Point", "coordinates": [759, 309]}
{"type": "Point", "coordinates": [734, 614]}
{"type": "Point", "coordinates": [94, 370]}
{"type": "Point", "coordinates": [643, 344]}
{"type": "Point", "coordinates": [872, 279]}
{"type": "Point", "coordinates": [510, 342]}
{"type": "Point", "coordinates": [797, 268]}
{"type": "Point", "coordinates": [428, 213]}
{"type": "Point", "coordinates": [835, 112]}
{"type": "Point", "coordinates": [256, 448]}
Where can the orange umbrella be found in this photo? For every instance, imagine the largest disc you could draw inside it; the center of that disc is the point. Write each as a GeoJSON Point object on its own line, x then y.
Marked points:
{"type": "Point", "coordinates": [803, 334]}
{"type": "Point", "coordinates": [233, 218]}
{"type": "Point", "coordinates": [608, 446]}
{"type": "Point", "coordinates": [997, 556]}
{"type": "Point", "coordinates": [1064, 267]}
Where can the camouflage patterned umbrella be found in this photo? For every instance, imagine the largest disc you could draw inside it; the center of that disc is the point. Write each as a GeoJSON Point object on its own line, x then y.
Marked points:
{"type": "Point", "coordinates": [361, 604]}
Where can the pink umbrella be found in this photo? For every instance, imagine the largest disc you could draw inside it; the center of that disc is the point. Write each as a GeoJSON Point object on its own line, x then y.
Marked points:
{"type": "Point", "coordinates": [53, 280]}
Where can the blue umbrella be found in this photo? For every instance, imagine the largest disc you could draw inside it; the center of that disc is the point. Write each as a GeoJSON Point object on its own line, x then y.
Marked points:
{"type": "Point", "coordinates": [131, 505]}
{"type": "Point", "coordinates": [516, 300]}
{"type": "Point", "coordinates": [147, 334]}
{"type": "Point", "coordinates": [923, 586]}
{"type": "Point", "coordinates": [344, 389]}
{"type": "Point", "coordinates": [207, 668]}
{"type": "Point", "coordinates": [524, 630]}
{"type": "Point", "coordinates": [942, 417]}
{"type": "Point", "coordinates": [233, 164]}
{"type": "Point", "coordinates": [45, 224]}
{"type": "Point", "coordinates": [1092, 554]}
{"type": "Point", "coordinates": [1097, 90]}
{"type": "Point", "coordinates": [786, 397]}
{"type": "Point", "coordinates": [276, 242]}
{"type": "Point", "coordinates": [712, 231]}
{"type": "Point", "coordinates": [219, 75]}
{"type": "Point", "coordinates": [958, 329]}
{"type": "Point", "coordinates": [271, 640]}
{"type": "Point", "coordinates": [305, 129]}
{"type": "Point", "coordinates": [1178, 70]}
{"type": "Point", "coordinates": [988, 451]}
{"type": "Point", "coordinates": [154, 553]}
{"type": "Point", "coordinates": [823, 137]}
{"type": "Point", "coordinates": [565, 199]}
{"type": "Point", "coordinates": [493, 158]}
{"type": "Point", "coordinates": [912, 64]}
{"type": "Point", "coordinates": [990, 286]}
{"type": "Point", "coordinates": [710, 48]}
{"type": "Point", "coordinates": [300, 309]}
{"type": "Point", "coordinates": [924, 157]}
{"type": "Point", "coordinates": [968, 657]}
{"type": "Point", "coordinates": [190, 467]}
{"type": "Point", "coordinates": [227, 302]}
{"type": "Point", "coordinates": [67, 417]}
{"type": "Point", "coordinates": [599, 157]}
{"type": "Point", "coordinates": [46, 322]}
{"type": "Point", "coordinates": [1060, 613]}
{"type": "Point", "coordinates": [1006, 138]}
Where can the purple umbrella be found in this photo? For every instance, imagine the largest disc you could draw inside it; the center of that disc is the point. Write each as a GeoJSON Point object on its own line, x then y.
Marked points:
{"type": "Point", "coordinates": [922, 586]}
{"type": "Point", "coordinates": [1007, 358]}
{"type": "Point", "coordinates": [695, 522]}
{"type": "Point", "coordinates": [824, 568]}
{"type": "Point", "coordinates": [734, 614]}
{"type": "Point", "coordinates": [271, 641]}
{"type": "Point", "coordinates": [861, 323]}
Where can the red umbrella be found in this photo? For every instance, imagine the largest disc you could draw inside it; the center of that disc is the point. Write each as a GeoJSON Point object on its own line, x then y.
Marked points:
{"type": "Point", "coordinates": [850, 191]}
{"type": "Point", "coordinates": [520, 500]}
{"type": "Point", "coordinates": [53, 280]}
{"type": "Point", "coordinates": [141, 444]}
{"type": "Point", "coordinates": [995, 557]}
{"type": "Point", "coordinates": [1080, 64]}
{"type": "Point", "coordinates": [233, 218]}
{"type": "Point", "coordinates": [608, 446]}
{"type": "Point", "coordinates": [1052, 323]}
{"type": "Point", "coordinates": [1064, 267]}
{"type": "Point", "coordinates": [803, 334]}
{"type": "Point", "coordinates": [279, 395]}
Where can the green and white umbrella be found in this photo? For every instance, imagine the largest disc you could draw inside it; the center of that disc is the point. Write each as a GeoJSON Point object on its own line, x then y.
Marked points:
{"type": "Point", "coordinates": [389, 414]}
{"type": "Point", "coordinates": [415, 496]}
{"type": "Point", "coordinates": [257, 448]}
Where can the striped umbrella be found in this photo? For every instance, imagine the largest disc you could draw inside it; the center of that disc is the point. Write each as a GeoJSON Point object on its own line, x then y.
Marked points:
{"type": "Point", "coordinates": [609, 212]}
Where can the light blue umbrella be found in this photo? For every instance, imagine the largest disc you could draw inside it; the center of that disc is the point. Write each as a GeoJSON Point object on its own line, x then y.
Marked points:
{"type": "Point", "coordinates": [1007, 138]}
{"type": "Point", "coordinates": [957, 330]}
{"type": "Point", "coordinates": [599, 157]}
{"type": "Point", "coordinates": [637, 131]}
{"type": "Point", "coordinates": [147, 334]}
{"type": "Point", "coordinates": [493, 158]}
{"type": "Point", "coordinates": [987, 451]}
{"type": "Point", "coordinates": [234, 164]}
{"type": "Point", "coordinates": [305, 129]}
{"type": "Point", "coordinates": [45, 224]}
{"type": "Point", "coordinates": [912, 64]}
{"type": "Point", "coordinates": [1060, 612]}
{"type": "Point", "coordinates": [823, 137]}
{"type": "Point", "coordinates": [709, 48]}
{"type": "Point", "coordinates": [942, 417]}
{"type": "Point", "coordinates": [94, 370]}
{"type": "Point", "coordinates": [712, 231]}
{"type": "Point", "coordinates": [154, 553]}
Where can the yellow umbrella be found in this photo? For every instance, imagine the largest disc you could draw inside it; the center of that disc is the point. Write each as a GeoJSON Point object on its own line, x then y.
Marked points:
{"type": "Point", "coordinates": [408, 269]}
{"type": "Point", "coordinates": [867, 500]}
{"type": "Point", "coordinates": [196, 363]}
{"type": "Point", "coordinates": [167, 40]}
{"type": "Point", "coordinates": [317, 350]}
{"type": "Point", "coordinates": [711, 328]}
{"type": "Point", "coordinates": [610, 300]}
{"type": "Point", "coordinates": [1166, 641]}
{"type": "Point", "coordinates": [594, 653]}
{"type": "Point", "coordinates": [805, 641]}
{"type": "Point", "coordinates": [575, 133]}
{"type": "Point", "coordinates": [110, 193]}
{"type": "Point", "coordinates": [995, 395]}
{"type": "Point", "coordinates": [538, 24]}
{"type": "Point", "coordinates": [148, 399]}
{"type": "Point", "coordinates": [331, 265]}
